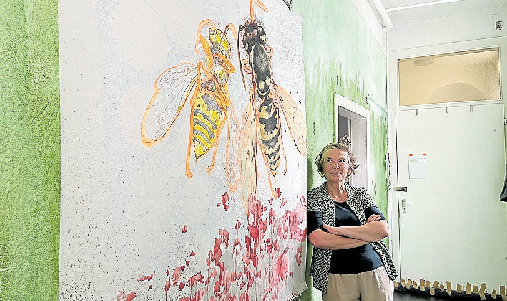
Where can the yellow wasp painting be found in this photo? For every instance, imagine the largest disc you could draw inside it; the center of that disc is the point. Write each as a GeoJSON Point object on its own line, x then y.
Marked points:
{"type": "Point", "coordinates": [205, 87]}
{"type": "Point", "coordinates": [268, 101]}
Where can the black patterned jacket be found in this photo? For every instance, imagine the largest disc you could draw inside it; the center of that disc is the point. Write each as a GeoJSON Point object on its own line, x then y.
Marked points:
{"type": "Point", "coordinates": [358, 200]}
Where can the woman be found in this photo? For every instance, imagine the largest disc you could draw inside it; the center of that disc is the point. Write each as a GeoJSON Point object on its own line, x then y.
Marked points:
{"type": "Point", "coordinates": [345, 227]}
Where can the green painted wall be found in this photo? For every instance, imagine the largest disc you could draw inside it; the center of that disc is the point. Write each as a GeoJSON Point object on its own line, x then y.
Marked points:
{"type": "Point", "coordinates": [29, 150]}
{"type": "Point", "coordinates": [341, 55]}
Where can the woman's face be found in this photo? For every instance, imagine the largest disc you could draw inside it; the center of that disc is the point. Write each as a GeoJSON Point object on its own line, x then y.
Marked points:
{"type": "Point", "coordinates": [336, 166]}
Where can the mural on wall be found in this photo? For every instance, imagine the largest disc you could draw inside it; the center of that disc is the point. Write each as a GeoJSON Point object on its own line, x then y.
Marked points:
{"type": "Point", "coordinates": [268, 101]}
{"type": "Point", "coordinates": [205, 87]}
{"type": "Point", "coordinates": [208, 201]}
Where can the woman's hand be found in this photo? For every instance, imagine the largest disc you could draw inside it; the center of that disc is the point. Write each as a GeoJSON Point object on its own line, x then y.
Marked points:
{"type": "Point", "coordinates": [332, 240]}
{"type": "Point", "coordinates": [374, 230]}
{"type": "Point", "coordinates": [329, 228]}
{"type": "Point", "coordinates": [373, 218]}
{"type": "Point", "coordinates": [336, 230]}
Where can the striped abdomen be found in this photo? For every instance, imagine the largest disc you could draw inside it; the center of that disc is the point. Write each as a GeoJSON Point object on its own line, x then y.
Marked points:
{"type": "Point", "coordinates": [269, 129]}
{"type": "Point", "coordinates": [207, 117]}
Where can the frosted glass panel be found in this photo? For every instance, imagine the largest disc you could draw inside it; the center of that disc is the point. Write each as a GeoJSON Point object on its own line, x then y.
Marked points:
{"type": "Point", "coordinates": [452, 77]}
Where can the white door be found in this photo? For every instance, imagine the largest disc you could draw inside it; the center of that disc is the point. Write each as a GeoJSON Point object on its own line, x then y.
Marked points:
{"type": "Point", "coordinates": [452, 226]}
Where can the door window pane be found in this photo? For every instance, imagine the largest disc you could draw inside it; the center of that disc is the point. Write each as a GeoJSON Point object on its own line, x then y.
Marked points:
{"type": "Point", "coordinates": [451, 77]}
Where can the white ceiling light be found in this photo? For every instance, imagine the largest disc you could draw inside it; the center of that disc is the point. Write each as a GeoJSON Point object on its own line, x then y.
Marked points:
{"type": "Point", "coordinates": [420, 5]}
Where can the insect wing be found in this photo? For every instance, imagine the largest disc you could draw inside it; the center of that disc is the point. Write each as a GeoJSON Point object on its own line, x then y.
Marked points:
{"type": "Point", "coordinates": [232, 168]}
{"type": "Point", "coordinates": [173, 88]}
{"type": "Point", "coordinates": [294, 118]}
{"type": "Point", "coordinates": [247, 154]}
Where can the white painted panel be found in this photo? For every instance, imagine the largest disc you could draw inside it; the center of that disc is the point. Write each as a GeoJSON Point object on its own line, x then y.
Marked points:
{"type": "Point", "coordinates": [414, 12]}
{"type": "Point", "coordinates": [452, 224]}
{"type": "Point", "coordinates": [452, 28]}
{"type": "Point", "coordinates": [134, 221]}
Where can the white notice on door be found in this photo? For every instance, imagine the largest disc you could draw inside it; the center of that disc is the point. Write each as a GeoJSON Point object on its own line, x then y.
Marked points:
{"type": "Point", "coordinates": [417, 166]}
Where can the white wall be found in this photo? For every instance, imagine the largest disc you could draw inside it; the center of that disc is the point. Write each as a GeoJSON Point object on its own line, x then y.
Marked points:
{"type": "Point", "coordinates": [375, 17]}
{"type": "Point", "coordinates": [424, 26]}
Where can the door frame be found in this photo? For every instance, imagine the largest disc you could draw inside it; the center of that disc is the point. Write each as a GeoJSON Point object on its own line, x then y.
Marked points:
{"type": "Point", "coordinates": [361, 123]}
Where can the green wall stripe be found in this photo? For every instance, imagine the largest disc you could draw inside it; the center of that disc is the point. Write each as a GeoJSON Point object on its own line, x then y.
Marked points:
{"type": "Point", "coordinates": [29, 150]}
{"type": "Point", "coordinates": [342, 56]}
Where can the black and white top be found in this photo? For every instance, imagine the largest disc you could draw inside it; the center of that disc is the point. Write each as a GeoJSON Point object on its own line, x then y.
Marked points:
{"type": "Point", "coordinates": [360, 202]}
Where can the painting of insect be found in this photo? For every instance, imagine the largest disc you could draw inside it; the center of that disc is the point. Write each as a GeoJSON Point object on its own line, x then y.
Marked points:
{"type": "Point", "coordinates": [204, 86]}
{"type": "Point", "coordinates": [261, 128]}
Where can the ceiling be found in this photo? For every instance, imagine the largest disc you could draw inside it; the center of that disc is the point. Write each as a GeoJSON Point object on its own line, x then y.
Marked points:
{"type": "Point", "coordinates": [401, 12]}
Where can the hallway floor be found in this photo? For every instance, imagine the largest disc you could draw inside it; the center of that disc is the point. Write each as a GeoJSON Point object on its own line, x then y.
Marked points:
{"type": "Point", "coordinates": [412, 297]}
{"type": "Point", "coordinates": [406, 296]}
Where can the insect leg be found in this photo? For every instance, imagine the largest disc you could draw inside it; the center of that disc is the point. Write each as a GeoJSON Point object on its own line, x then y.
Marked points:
{"type": "Point", "coordinates": [259, 4]}
{"type": "Point", "coordinates": [233, 30]}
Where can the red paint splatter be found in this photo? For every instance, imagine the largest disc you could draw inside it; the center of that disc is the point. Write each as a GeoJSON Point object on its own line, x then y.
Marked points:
{"type": "Point", "coordinates": [250, 255]}
{"type": "Point", "coordinates": [299, 256]}
{"type": "Point", "coordinates": [278, 192]}
{"type": "Point", "coordinates": [297, 219]}
{"type": "Point", "coordinates": [225, 237]}
{"type": "Point", "coordinates": [185, 229]}
{"type": "Point", "coordinates": [282, 265]}
{"type": "Point", "coordinates": [177, 274]}
{"type": "Point", "coordinates": [272, 216]}
{"type": "Point", "coordinates": [122, 296]}
{"type": "Point", "coordinates": [253, 263]}
{"type": "Point", "coordinates": [146, 278]}
{"type": "Point", "coordinates": [244, 297]}
{"type": "Point", "coordinates": [199, 294]}
{"type": "Point", "coordinates": [225, 201]}
{"type": "Point", "coordinates": [236, 247]}
{"type": "Point", "coordinates": [283, 202]}
{"type": "Point", "coordinates": [197, 278]}
{"type": "Point", "coordinates": [130, 296]}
